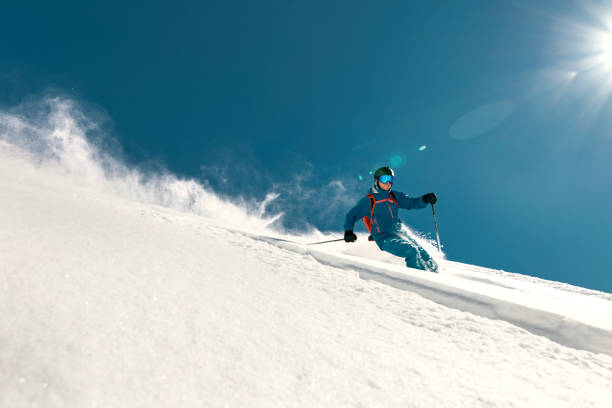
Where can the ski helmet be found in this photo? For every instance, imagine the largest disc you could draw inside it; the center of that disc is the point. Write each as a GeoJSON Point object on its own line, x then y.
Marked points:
{"type": "Point", "coordinates": [382, 171]}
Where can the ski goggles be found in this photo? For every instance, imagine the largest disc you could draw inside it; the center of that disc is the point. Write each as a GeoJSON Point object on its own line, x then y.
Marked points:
{"type": "Point", "coordinates": [385, 178]}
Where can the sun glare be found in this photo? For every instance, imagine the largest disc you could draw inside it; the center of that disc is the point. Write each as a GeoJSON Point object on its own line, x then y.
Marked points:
{"type": "Point", "coordinates": [607, 50]}
{"type": "Point", "coordinates": [604, 47]}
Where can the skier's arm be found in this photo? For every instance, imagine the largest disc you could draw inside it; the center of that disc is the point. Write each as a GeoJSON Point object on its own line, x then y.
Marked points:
{"type": "Point", "coordinates": [409, 203]}
{"type": "Point", "coordinates": [359, 211]}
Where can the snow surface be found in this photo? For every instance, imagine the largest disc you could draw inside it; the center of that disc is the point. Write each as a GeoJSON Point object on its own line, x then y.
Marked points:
{"type": "Point", "coordinates": [108, 299]}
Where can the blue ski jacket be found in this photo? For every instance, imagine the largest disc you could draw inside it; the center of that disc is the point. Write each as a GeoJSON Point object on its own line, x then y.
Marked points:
{"type": "Point", "coordinates": [385, 221]}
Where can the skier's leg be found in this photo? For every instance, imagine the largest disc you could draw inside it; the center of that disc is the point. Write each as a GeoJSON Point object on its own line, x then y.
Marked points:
{"type": "Point", "coordinates": [415, 256]}
{"type": "Point", "coordinates": [427, 260]}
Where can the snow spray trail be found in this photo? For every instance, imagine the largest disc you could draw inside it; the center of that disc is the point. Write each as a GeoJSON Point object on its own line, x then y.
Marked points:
{"type": "Point", "coordinates": [457, 288]}
{"type": "Point", "coordinates": [57, 135]}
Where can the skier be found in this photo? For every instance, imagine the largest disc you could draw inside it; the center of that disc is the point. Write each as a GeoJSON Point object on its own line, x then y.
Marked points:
{"type": "Point", "coordinates": [379, 211]}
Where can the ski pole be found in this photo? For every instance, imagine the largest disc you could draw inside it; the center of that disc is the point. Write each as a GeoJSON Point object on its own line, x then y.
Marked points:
{"type": "Point", "coordinates": [325, 242]}
{"type": "Point", "coordinates": [433, 210]}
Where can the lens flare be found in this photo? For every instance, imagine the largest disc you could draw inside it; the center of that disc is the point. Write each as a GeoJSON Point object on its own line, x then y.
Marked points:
{"type": "Point", "coordinates": [481, 120]}
{"type": "Point", "coordinates": [397, 159]}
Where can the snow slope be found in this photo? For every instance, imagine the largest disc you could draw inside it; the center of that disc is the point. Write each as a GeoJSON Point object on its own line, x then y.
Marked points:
{"type": "Point", "coordinates": [107, 301]}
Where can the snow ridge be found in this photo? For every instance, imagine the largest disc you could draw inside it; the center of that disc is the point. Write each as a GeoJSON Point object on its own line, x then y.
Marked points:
{"type": "Point", "coordinates": [490, 298]}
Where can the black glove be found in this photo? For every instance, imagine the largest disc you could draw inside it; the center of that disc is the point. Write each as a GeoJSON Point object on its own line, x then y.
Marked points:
{"type": "Point", "coordinates": [430, 198]}
{"type": "Point", "coordinates": [349, 236]}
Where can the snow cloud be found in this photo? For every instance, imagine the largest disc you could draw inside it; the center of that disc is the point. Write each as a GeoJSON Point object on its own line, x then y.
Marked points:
{"type": "Point", "coordinates": [68, 139]}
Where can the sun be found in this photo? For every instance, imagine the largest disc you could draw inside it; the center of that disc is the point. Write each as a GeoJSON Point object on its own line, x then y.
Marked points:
{"type": "Point", "coordinates": [581, 46]}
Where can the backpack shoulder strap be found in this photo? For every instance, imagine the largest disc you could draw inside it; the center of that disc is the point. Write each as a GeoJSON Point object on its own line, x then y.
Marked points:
{"type": "Point", "coordinates": [368, 221]}
{"type": "Point", "coordinates": [372, 204]}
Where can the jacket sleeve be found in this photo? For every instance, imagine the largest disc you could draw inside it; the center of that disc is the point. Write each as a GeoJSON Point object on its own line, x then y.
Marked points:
{"type": "Point", "coordinates": [409, 203]}
{"type": "Point", "coordinates": [356, 213]}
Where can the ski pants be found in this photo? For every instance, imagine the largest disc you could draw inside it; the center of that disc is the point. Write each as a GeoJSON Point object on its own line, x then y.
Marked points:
{"type": "Point", "coordinates": [415, 256]}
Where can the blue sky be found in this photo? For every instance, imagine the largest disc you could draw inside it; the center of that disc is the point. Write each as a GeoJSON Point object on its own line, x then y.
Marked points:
{"type": "Point", "coordinates": [510, 98]}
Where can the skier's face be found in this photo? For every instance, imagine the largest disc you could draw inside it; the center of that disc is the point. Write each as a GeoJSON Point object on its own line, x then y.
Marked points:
{"type": "Point", "coordinates": [384, 186]}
